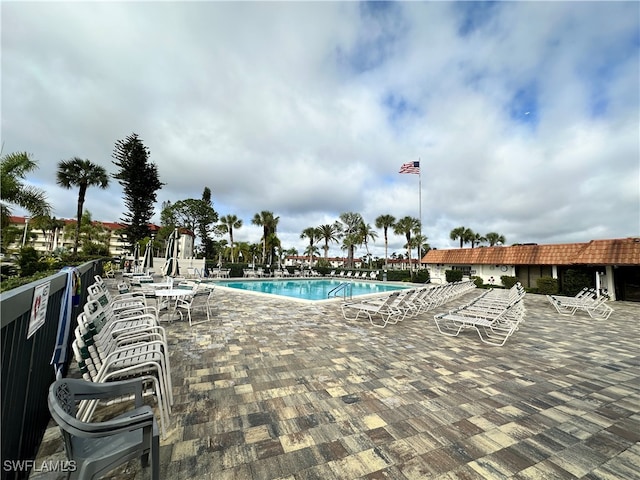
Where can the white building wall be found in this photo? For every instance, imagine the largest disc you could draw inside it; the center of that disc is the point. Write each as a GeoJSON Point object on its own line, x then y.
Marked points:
{"type": "Point", "coordinates": [490, 274]}
{"type": "Point", "coordinates": [607, 283]}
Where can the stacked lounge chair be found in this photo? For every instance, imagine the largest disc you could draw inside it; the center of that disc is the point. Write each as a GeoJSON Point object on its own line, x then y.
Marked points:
{"type": "Point", "coordinates": [495, 315]}
{"type": "Point", "coordinates": [587, 300]}
{"type": "Point", "coordinates": [395, 307]}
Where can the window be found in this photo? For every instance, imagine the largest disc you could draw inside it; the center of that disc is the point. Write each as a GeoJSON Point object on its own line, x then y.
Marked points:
{"type": "Point", "coordinates": [466, 269]}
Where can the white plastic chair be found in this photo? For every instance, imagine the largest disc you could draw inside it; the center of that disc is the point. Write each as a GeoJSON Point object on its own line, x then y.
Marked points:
{"type": "Point", "coordinates": [199, 301]}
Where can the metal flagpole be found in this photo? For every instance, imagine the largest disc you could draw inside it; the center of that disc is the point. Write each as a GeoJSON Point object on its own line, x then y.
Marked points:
{"type": "Point", "coordinates": [420, 210]}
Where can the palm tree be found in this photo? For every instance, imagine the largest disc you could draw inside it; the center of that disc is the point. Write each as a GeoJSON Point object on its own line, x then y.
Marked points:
{"type": "Point", "coordinates": [269, 224]}
{"type": "Point", "coordinates": [311, 250]}
{"type": "Point", "coordinates": [77, 172]}
{"type": "Point", "coordinates": [329, 233]}
{"type": "Point", "coordinates": [421, 242]}
{"type": "Point", "coordinates": [273, 243]}
{"type": "Point", "coordinates": [312, 234]}
{"type": "Point", "coordinates": [13, 168]}
{"type": "Point", "coordinates": [94, 237]}
{"type": "Point", "coordinates": [351, 238]}
{"type": "Point", "coordinates": [245, 250]}
{"type": "Point", "coordinates": [477, 239]}
{"type": "Point", "coordinates": [349, 243]}
{"type": "Point", "coordinates": [494, 238]}
{"type": "Point", "coordinates": [468, 236]}
{"type": "Point", "coordinates": [407, 226]}
{"type": "Point", "coordinates": [254, 252]}
{"type": "Point", "coordinates": [385, 222]}
{"type": "Point", "coordinates": [227, 224]}
{"type": "Point", "coordinates": [458, 233]}
{"type": "Point", "coordinates": [50, 227]}
{"type": "Point", "coordinates": [366, 233]}
{"type": "Point", "coordinates": [220, 249]}
{"type": "Point", "coordinates": [464, 234]}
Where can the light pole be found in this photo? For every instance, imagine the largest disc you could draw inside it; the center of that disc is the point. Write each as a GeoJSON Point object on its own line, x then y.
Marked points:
{"type": "Point", "coordinates": [24, 234]}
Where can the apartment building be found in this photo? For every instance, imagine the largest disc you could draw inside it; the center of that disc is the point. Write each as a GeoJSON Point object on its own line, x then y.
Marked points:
{"type": "Point", "coordinates": [118, 245]}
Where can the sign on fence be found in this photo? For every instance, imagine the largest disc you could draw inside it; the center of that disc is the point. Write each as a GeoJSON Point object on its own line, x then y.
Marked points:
{"type": "Point", "coordinates": [38, 308]}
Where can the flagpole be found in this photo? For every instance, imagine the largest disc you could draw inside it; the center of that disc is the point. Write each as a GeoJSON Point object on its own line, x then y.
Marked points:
{"type": "Point", "coordinates": [419, 209]}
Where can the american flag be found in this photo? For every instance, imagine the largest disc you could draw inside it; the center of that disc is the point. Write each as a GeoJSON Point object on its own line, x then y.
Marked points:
{"type": "Point", "coordinates": [410, 167]}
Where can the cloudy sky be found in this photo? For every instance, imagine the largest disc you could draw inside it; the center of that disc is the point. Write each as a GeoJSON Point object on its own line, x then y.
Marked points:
{"type": "Point", "coordinates": [524, 116]}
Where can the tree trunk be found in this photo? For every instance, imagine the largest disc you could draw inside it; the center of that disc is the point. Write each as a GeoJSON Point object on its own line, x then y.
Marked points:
{"type": "Point", "coordinates": [81, 194]}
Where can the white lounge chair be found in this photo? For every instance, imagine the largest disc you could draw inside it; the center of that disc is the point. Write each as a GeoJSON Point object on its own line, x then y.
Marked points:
{"type": "Point", "coordinates": [492, 328]}
{"type": "Point", "coordinates": [587, 300]}
{"type": "Point", "coordinates": [384, 310]}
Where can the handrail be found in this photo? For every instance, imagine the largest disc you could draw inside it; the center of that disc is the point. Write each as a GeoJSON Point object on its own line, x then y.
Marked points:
{"type": "Point", "coordinates": [342, 287]}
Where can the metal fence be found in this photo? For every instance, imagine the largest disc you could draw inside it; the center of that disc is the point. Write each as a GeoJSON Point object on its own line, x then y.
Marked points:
{"type": "Point", "coordinates": [26, 367]}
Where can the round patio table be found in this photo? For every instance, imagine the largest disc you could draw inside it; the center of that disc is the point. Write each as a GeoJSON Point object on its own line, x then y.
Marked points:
{"type": "Point", "coordinates": [173, 295]}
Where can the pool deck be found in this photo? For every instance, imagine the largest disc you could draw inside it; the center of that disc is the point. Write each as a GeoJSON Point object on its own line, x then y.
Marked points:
{"type": "Point", "coordinates": [272, 389]}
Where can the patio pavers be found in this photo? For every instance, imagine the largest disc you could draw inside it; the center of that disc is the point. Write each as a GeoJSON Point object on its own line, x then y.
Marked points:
{"type": "Point", "coordinates": [274, 389]}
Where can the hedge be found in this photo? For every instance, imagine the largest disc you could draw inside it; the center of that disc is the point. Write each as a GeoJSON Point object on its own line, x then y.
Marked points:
{"type": "Point", "coordinates": [547, 285]}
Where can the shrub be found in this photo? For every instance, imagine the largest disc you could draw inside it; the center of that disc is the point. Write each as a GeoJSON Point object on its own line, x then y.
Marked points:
{"type": "Point", "coordinates": [15, 282]}
{"type": "Point", "coordinates": [574, 281]}
{"type": "Point", "coordinates": [478, 281]}
{"type": "Point", "coordinates": [322, 263]}
{"type": "Point", "coordinates": [421, 276]}
{"type": "Point", "coordinates": [95, 248]}
{"type": "Point", "coordinates": [547, 285]}
{"type": "Point", "coordinates": [322, 270]}
{"type": "Point", "coordinates": [453, 275]}
{"type": "Point", "coordinates": [29, 261]}
{"type": "Point", "coordinates": [508, 281]}
{"type": "Point", "coordinates": [236, 269]}
{"type": "Point", "coordinates": [398, 275]}
{"type": "Point", "coordinates": [47, 262]}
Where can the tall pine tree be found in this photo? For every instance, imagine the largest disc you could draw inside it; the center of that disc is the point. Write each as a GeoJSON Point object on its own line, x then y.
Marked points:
{"type": "Point", "coordinates": [139, 179]}
{"type": "Point", "coordinates": [207, 216]}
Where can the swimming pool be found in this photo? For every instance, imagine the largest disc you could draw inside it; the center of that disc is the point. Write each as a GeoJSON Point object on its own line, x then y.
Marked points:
{"type": "Point", "coordinates": [308, 289]}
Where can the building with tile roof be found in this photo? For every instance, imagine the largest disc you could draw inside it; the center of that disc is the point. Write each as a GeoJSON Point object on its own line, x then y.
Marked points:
{"type": "Point", "coordinates": [118, 245]}
{"type": "Point", "coordinates": [614, 264]}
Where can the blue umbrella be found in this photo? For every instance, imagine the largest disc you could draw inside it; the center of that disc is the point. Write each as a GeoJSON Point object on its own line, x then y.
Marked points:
{"type": "Point", "coordinates": [70, 298]}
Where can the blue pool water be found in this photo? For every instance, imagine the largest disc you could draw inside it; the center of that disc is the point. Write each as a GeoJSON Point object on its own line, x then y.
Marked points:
{"type": "Point", "coordinates": [308, 289]}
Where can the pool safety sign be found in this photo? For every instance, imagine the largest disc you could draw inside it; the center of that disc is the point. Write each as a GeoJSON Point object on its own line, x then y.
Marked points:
{"type": "Point", "coordinates": [38, 307]}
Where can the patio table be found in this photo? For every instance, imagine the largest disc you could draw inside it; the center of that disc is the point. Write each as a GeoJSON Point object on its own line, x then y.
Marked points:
{"type": "Point", "coordinates": [173, 295]}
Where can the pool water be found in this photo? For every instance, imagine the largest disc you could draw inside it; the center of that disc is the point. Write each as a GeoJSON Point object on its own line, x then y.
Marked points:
{"type": "Point", "coordinates": [308, 289]}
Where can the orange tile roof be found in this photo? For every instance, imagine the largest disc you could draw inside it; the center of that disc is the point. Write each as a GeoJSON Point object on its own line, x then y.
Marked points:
{"type": "Point", "coordinates": [623, 251]}
{"type": "Point", "coordinates": [619, 251]}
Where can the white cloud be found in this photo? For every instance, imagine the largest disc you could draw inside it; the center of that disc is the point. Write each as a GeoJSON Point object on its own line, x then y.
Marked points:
{"type": "Point", "coordinates": [308, 109]}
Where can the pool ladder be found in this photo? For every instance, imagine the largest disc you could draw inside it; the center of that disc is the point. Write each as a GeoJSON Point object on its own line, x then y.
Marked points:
{"type": "Point", "coordinates": [345, 288]}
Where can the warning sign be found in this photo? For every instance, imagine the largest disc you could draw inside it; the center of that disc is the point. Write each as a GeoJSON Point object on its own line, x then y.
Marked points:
{"type": "Point", "coordinates": [39, 307]}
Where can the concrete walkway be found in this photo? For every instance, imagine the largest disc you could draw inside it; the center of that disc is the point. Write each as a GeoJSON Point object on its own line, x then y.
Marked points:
{"type": "Point", "coordinates": [273, 389]}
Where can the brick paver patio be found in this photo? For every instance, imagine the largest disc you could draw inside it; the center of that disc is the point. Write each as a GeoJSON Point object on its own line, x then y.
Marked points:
{"type": "Point", "coordinates": [273, 389]}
